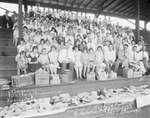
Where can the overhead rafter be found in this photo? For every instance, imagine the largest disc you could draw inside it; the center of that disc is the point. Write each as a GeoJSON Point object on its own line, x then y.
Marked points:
{"type": "Point", "coordinates": [90, 1]}
{"type": "Point", "coordinates": [66, 2]}
{"type": "Point", "coordinates": [81, 3]}
{"type": "Point", "coordinates": [97, 3]}
{"type": "Point", "coordinates": [104, 7]}
{"type": "Point", "coordinates": [101, 6]}
{"type": "Point", "coordinates": [73, 3]}
{"type": "Point", "coordinates": [125, 8]}
{"type": "Point", "coordinates": [119, 2]}
{"type": "Point", "coordinates": [120, 6]}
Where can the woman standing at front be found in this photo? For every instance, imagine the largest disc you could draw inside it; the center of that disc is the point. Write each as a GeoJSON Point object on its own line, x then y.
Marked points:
{"type": "Point", "coordinates": [78, 64]}
{"type": "Point", "coordinates": [53, 57]}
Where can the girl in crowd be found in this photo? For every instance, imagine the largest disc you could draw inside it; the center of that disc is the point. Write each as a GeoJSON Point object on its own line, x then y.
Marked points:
{"type": "Point", "coordinates": [21, 46]}
{"type": "Point", "coordinates": [29, 46]}
{"type": "Point", "coordinates": [22, 62]}
{"type": "Point", "coordinates": [99, 59]}
{"type": "Point", "coordinates": [62, 45]}
{"type": "Point", "coordinates": [41, 45]}
{"type": "Point", "coordinates": [34, 65]}
{"type": "Point", "coordinates": [83, 46]}
{"type": "Point", "coordinates": [78, 64]}
{"type": "Point", "coordinates": [16, 35]}
{"type": "Point", "coordinates": [53, 57]}
{"type": "Point", "coordinates": [44, 60]}
{"type": "Point", "coordinates": [47, 46]}
{"type": "Point", "coordinates": [91, 60]}
{"type": "Point", "coordinates": [84, 60]}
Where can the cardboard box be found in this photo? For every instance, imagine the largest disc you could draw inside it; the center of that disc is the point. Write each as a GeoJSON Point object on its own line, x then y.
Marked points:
{"type": "Point", "coordinates": [22, 80]}
{"type": "Point", "coordinates": [55, 81]}
{"type": "Point", "coordinates": [137, 74]}
{"type": "Point", "coordinates": [4, 81]}
{"type": "Point", "coordinates": [64, 78]}
{"type": "Point", "coordinates": [91, 76]}
{"type": "Point", "coordinates": [102, 76]}
{"type": "Point", "coordinates": [53, 77]}
{"type": "Point", "coordinates": [41, 78]}
{"type": "Point", "coordinates": [127, 73]}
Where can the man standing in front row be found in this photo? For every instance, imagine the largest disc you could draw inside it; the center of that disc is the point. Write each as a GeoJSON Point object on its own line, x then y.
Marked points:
{"type": "Point", "coordinates": [123, 58]}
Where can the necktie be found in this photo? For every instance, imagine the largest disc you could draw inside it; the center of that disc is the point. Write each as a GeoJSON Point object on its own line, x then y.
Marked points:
{"type": "Point", "coordinates": [134, 59]}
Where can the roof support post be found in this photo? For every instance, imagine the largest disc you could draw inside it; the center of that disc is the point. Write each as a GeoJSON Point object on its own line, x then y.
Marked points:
{"type": "Point", "coordinates": [137, 15]}
{"type": "Point", "coordinates": [20, 18]}
{"type": "Point", "coordinates": [25, 6]}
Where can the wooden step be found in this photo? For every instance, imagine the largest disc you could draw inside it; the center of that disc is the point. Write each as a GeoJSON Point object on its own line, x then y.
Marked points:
{"type": "Point", "coordinates": [7, 59]}
{"type": "Point", "coordinates": [8, 64]}
{"type": "Point", "coordinates": [8, 51]}
{"type": "Point", "coordinates": [6, 42]}
{"type": "Point", "coordinates": [6, 30]}
{"type": "Point", "coordinates": [6, 35]}
{"type": "Point", "coordinates": [7, 72]}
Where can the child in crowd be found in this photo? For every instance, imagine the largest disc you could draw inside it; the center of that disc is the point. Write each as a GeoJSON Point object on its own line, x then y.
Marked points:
{"type": "Point", "coordinates": [53, 57]}
{"type": "Point", "coordinates": [84, 60]}
{"type": "Point", "coordinates": [47, 46]}
{"type": "Point", "coordinates": [44, 60]}
{"type": "Point", "coordinates": [91, 60]}
{"type": "Point", "coordinates": [22, 62]}
{"type": "Point", "coordinates": [21, 47]}
{"type": "Point", "coordinates": [41, 45]}
{"type": "Point", "coordinates": [16, 35]}
{"type": "Point", "coordinates": [78, 64]}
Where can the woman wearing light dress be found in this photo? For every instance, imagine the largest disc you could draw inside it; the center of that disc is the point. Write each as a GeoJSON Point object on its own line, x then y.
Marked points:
{"type": "Point", "coordinates": [78, 64]}
{"type": "Point", "coordinates": [53, 57]}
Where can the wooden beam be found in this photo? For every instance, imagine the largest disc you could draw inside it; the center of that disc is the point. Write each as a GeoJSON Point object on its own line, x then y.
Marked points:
{"type": "Point", "coordinates": [20, 18]}
{"type": "Point", "coordinates": [137, 17]}
{"type": "Point", "coordinates": [90, 1]}
{"type": "Point", "coordinates": [74, 3]}
{"type": "Point", "coordinates": [104, 7]}
{"type": "Point", "coordinates": [129, 6]}
{"type": "Point", "coordinates": [81, 3]}
{"type": "Point", "coordinates": [120, 6]}
{"type": "Point", "coordinates": [97, 3]}
{"type": "Point", "coordinates": [66, 2]}
{"type": "Point", "coordinates": [119, 2]}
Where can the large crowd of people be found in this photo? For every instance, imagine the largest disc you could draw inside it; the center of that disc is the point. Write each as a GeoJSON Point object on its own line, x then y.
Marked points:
{"type": "Point", "coordinates": [59, 40]}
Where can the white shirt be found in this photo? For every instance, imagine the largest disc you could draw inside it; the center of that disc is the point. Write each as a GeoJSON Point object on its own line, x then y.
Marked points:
{"type": "Point", "coordinates": [134, 56]}
{"type": "Point", "coordinates": [110, 55]}
{"type": "Point", "coordinates": [143, 54]}
{"type": "Point", "coordinates": [43, 59]}
{"type": "Point", "coordinates": [70, 38]}
{"type": "Point", "coordinates": [91, 45]}
{"type": "Point", "coordinates": [53, 56]}
{"type": "Point", "coordinates": [66, 55]}
{"type": "Point", "coordinates": [21, 48]}
{"type": "Point", "coordinates": [77, 56]}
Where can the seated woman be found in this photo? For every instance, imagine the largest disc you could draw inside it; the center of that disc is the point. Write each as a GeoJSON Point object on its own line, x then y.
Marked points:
{"type": "Point", "coordinates": [21, 47]}
{"type": "Point", "coordinates": [41, 45]}
{"type": "Point", "coordinates": [99, 60]}
{"type": "Point", "coordinates": [53, 57]}
{"type": "Point", "coordinates": [91, 60]}
{"type": "Point", "coordinates": [22, 62]}
{"type": "Point", "coordinates": [47, 46]}
{"type": "Point", "coordinates": [61, 46]}
{"type": "Point", "coordinates": [83, 46]}
{"type": "Point", "coordinates": [44, 60]}
{"type": "Point", "coordinates": [34, 65]}
{"type": "Point", "coordinates": [134, 61]}
{"type": "Point", "coordinates": [84, 60]}
{"type": "Point", "coordinates": [78, 64]}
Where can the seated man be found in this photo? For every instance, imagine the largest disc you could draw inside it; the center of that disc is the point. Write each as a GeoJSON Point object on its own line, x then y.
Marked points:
{"type": "Point", "coordinates": [144, 57]}
{"type": "Point", "coordinates": [123, 58]}
{"type": "Point", "coordinates": [110, 57]}
{"type": "Point", "coordinates": [66, 57]}
{"type": "Point", "coordinates": [135, 62]}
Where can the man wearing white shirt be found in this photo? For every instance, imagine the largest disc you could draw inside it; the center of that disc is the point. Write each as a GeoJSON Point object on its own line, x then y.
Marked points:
{"type": "Point", "coordinates": [110, 57]}
{"type": "Point", "coordinates": [144, 56]}
{"type": "Point", "coordinates": [134, 60]}
{"type": "Point", "coordinates": [66, 57]}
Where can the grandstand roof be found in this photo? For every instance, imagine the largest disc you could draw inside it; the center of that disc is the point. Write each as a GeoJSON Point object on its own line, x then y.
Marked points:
{"type": "Point", "coordinates": [116, 8]}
